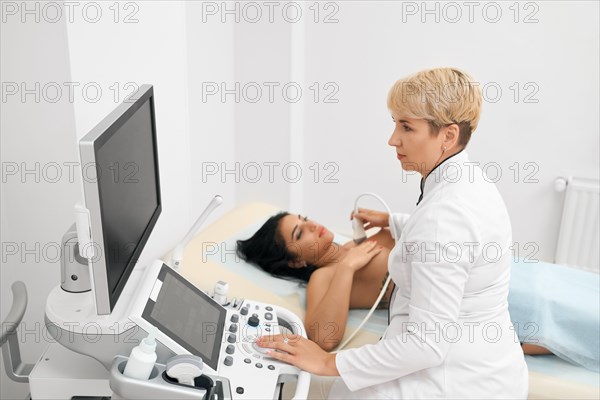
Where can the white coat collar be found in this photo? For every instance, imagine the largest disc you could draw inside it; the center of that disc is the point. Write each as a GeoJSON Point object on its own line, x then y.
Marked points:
{"type": "Point", "coordinates": [444, 171]}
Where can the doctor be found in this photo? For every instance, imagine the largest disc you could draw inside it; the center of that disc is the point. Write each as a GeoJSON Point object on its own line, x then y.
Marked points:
{"type": "Point", "coordinates": [450, 334]}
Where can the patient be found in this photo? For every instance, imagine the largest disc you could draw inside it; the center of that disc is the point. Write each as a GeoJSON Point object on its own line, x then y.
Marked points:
{"type": "Point", "coordinates": [339, 276]}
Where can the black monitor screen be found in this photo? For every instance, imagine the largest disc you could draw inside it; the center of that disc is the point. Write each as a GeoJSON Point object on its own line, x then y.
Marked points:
{"type": "Point", "coordinates": [128, 186]}
{"type": "Point", "coordinates": [188, 316]}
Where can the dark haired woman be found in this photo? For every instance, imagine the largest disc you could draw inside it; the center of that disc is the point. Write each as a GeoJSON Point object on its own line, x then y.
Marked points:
{"type": "Point", "coordinates": [339, 276]}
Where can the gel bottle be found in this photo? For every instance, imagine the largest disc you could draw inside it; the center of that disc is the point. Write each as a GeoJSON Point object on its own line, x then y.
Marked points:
{"type": "Point", "coordinates": [142, 359]}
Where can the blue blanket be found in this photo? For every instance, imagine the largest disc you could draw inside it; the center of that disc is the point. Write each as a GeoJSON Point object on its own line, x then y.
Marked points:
{"type": "Point", "coordinates": [557, 307]}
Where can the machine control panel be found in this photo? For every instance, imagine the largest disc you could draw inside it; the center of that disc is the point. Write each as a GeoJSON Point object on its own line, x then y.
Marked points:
{"type": "Point", "coordinates": [189, 321]}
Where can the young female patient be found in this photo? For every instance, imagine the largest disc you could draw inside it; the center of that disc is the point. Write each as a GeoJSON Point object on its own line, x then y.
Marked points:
{"type": "Point", "coordinates": [339, 276]}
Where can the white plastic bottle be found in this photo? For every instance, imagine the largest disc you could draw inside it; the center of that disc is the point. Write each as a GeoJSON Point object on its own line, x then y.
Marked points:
{"type": "Point", "coordinates": [142, 359]}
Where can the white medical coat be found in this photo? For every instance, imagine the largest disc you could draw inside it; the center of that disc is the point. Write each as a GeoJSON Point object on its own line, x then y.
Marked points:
{"type": "Point", "coordinates": [450, 334]}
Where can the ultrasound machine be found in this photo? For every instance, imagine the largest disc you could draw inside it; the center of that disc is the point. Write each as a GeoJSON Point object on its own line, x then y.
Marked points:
{"type": "Point", "coordinates": [107, 302]}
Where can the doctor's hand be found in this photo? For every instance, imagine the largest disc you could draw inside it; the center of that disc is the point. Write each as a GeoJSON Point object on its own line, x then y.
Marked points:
{"type": "Point", "coordinates": [371, 218]}
{"type": "Point", "coordinates": [360, 255]}
{"type": "Point", "coordinates": [300, 352]}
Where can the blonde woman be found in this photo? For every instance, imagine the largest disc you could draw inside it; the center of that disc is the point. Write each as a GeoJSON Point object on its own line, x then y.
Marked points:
{"type": "Point", "coordinates": [450, 334]}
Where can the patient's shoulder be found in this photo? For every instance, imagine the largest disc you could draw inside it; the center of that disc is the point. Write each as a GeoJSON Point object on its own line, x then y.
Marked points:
{"type": "Point", "coordinates": [321, 276]}
{"type": "Point", "coordinates": [317, 286]}
{"type": "Point", "coordinates": [323, 272]}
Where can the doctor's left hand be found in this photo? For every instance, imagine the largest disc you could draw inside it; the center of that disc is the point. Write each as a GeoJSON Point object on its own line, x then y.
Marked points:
{"type": "Point", "coordinates": [300, 352]}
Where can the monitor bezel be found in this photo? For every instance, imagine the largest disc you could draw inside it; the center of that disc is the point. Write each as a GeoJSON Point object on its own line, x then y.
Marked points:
{"type": "Point", "coordinates": [105, 299]}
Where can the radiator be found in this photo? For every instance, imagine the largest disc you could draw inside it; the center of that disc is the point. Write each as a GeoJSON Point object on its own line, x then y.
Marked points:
{"type": "Point", "coordinates": [579, 236]}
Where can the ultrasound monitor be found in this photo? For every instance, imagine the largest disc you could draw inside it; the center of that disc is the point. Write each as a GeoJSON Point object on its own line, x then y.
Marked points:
{"type": "Point", "coordinates": [120, 175]}
{"type": "Point", "coordinates": [187, 315]}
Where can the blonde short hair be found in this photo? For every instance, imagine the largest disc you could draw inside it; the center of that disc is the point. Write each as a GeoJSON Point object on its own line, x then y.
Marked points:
{"type": "Point", "coordinates": [442, 96]}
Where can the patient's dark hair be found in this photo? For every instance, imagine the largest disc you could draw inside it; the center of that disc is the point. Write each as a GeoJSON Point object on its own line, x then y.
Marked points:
{"type": "Point", "coordinates": [267, 249]}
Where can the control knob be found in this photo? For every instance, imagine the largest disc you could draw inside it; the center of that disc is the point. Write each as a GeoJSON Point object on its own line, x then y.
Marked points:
{"type": "Point", "coordinates": [253, 321]}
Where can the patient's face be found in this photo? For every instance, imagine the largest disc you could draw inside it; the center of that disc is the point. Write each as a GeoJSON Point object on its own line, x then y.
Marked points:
{"type": "Point", "coordinates": [305, 238]}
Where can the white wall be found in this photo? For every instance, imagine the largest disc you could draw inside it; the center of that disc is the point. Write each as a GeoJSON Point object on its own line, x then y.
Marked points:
{"type": "Point", "coordinates": [371, 47]}
{"type": "Point", "coordinates": [149, 48]}
{"type": "Point", "coordinates": [543, 57]}
{"type": "Point", "coordinates": [262, 56]}
{"type": "Point", "coordinates": [38, 134]}
{"type": "Point", "coordinates": [210, 56]}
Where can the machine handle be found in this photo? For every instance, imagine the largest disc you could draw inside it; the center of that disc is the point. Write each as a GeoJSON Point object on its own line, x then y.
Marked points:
{"type": "Point", "coordinates": [12, 321]}
{"type": "Point", "coordinates": [15, 369]}
{"type": "Point", "coordinates": [82, 222]}
{"type": "Point", "coordinates": [303, 384]}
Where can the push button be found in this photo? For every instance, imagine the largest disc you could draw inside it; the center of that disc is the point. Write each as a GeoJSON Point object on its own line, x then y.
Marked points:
{"type": "Point", "coordinates": [233, 328]}
{"type": "Point", "coordinates": [235, 318]}
{"type": "Point", "coordinates": [230, 349]}
{"type": "Point", "coordinates": [271, 367]}
{"type": "Point", "coordinates": [269, 308]}
{"type": "Point", "coordinates": [258, 365]}
{"type": "Point", "coordinates": [244, 311]}
{"type": "Point", "coordinates": [239, 390]}
{"type": "Point", "coordinates": [231, 338]}
{"type": "Point", "coordinates": [228, 361]}
{"type": "Point", "coordinates": [268, 316]}
{"type": "Point", "coordinates": [253, 321]}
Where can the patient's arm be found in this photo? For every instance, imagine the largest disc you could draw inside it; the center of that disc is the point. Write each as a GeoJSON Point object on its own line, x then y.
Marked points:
{"type": "Point", "coordinates": [327, 305]}
{"type": "Point", "coordinates": [533, 349]}
{"type": "Point", "coordinates": [329, 291]}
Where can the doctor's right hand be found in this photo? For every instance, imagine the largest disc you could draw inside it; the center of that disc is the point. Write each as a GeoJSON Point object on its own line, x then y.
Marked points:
{"type": "Point", "coordinates": [371, 218]}
{"type": "Point", "coordinates": [361, 255]}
